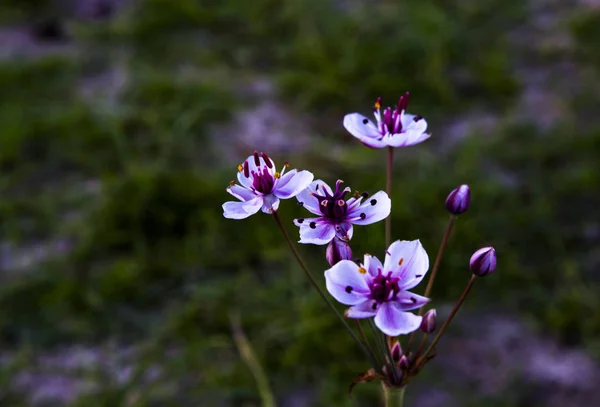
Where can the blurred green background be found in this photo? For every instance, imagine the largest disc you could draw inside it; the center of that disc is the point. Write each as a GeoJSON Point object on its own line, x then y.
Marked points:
{"type": "Point", "coordinates": [122, 122]}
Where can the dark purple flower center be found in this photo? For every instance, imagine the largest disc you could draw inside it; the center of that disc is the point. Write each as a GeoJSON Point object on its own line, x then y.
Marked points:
{"type": "Point", "coordinates": [263, 180]}
{"type": "Point", "coordinates": [391, 121]}
{"type": "Point", "coordinates": [384, 287]}
{"type": "Point", "coordinates": [333, 206]}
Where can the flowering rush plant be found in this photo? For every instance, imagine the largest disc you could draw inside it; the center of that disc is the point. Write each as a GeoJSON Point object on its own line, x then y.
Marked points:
{"type": "Point", "coordinates": [379, 294]}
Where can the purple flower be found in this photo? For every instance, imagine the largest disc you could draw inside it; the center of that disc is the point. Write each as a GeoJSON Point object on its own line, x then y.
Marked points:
{"type": "Point", "coordinates": [336, 215]}
{"type": "Point", "coordinates": [380, 291]}
{"type": "Point", "coordinates": [395, 128]}
{"type": "Point", "coordinates": [261, 187]}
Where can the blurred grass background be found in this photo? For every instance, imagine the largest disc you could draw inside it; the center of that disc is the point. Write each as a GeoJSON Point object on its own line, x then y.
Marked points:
{"type": "Point", "coordinates": [122, 122]}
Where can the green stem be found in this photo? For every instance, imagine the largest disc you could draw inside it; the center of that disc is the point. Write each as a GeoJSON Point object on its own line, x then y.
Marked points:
{"type": "Point", "coordinates": [366, 350]}
{"type": "Point", "coordinates": [435, 268]}
{"type": "Point", "coordinates": [393, 397]}
{"type": "Point", "coordinates": [462, 298]}
{"type": "Point", "coordinates": [388, 191]}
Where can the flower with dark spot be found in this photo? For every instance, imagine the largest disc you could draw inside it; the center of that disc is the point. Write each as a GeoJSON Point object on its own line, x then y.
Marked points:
{"type": "Point", "coordinates": [261, 187]}
{"type": "Point", "coordinates": [381, 290]}
{"type": "Point", "coordinates": [393, 128]}
{"type": "Point", "coordinates": [336, 214]}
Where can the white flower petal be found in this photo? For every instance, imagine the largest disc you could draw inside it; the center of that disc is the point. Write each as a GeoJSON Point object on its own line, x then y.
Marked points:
{"type": "Point", "coordinates": [315, 230]}
{"type": "Point", "coordinates": [375, 208]}
{"type": "Point", "coordinates": [292, 183]}
{"type": "Point", "coordinates": [363, 129]}
{"type": "Point", "coordinates": [366, 309]}
{"type": "Point", "coordinates": [410, 124]}
{"type": "Point", "coordinates": [270, 204]}
{"type": "Point", "coordinates": [245, 182]}
{"type": "Point", "coordinates": [261, 164]}
{"type": "Point", "coordinates": [310, 202]}
{"type": "Point", "coordinates": [241, 210]}
{"type": "Point", "coordinates": [392, 321]}
{"type": "Point", "coordinates": [372, 264]}
{"type": "Point", "coordinates": [346, 283]}
{"type": "Point", "coordinates": [408, 301]}
{"type": "Point", "coordinates": [408, 261]}
{"type": "Point", "coordinates": [241, 193]}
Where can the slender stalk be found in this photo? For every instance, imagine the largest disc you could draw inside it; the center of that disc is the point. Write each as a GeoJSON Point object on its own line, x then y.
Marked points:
{"type": "Point", "coordinates": [421, 346]}
{"type": "Point", "coordinates": [438, 259]}
{"type": "Point", "coordinates": [366, 342]}
{"type": "Point", "coordinates": [249, 357]}
{"type": "Point", "coordinates": [435, 268]}
{"type": "Point", "coordinates": [462, 298]}
{"type": "Point", "coordinates": [384, 350]}
{"type": "Point", "coordinates": [388, 190]}
{"type": "Point", "coordinates": [314, 283]}
{"type": "Point", "coordinates": [393, 397]}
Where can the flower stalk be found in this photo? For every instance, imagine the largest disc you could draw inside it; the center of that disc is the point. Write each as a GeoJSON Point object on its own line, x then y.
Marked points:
{"type": "Point", "coordinates": [457, 306]}
{"type": "Point", "coordinates": [314, 283]}
{"type": "Point", "coordinates": [388, 190]}
{"type": "Point", "coordinates": [436, 265]}
{"type": "Point", "coordinates": [393, 397]}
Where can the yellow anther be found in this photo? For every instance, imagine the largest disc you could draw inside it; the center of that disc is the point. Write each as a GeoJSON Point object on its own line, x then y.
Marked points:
{"type": "Point", "coordinates": [377, 104]}
{"type": "Point", "coordinates": [231, 183]}
{"type": "Point", "coordinates": [401, 261]}
{"type": "Point", "coordinates": [286, 164]}
{"type": "Point", "coordinates": [362, 270]}
{"type": "Point", "coordinates": [240, 168]}
{"type": "Point", "coordinates": [277, 175]}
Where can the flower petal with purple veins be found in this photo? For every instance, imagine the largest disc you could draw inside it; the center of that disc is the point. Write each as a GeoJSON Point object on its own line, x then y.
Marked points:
{"type": "Point", "coordinates": [366, 309]}
{"type": "Point", "coordinates": [246, 182]}
{"type": "Point", "coordinates": [241, 193]}
{"type": "Point", "coordinates": [270, 204]}
{"type": "Point", "coordinates": [292, 183]}
{"type": "Point", "coordinates": [346, 283]}
{"type": "Point", "coordinates": [372, 265]}
{"type": "Point", "coordinates": [408, 301]}
{"type": "Point", "coordinates": [408, 261]}
{"type": "Point", "coordinates": [241, 210]}
{"type": "Point", "coordinates": [392, 321]}
{"type": "Point", "coordinates": [315, 230]}
{"type": "Point", "coordinates": [373, 209]}
{"type": "Point", "coordinates": [363, 129]}
{"type": "Point", "coordinates": [252, 167]}
{"type": "Point", "coordinates": [307, 199]}
{"type": "Point", "coordinates": [344, 231]}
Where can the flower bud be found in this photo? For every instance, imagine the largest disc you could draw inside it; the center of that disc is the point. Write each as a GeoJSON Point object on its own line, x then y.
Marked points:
{"type": "Point", "coordinates": [483, 261]}
{"type": "Point", "coordinates": [338, 250]}
{"type": "Point", "coordinates": [458, 200]}
{"type": "Point", "coordinates": [396, 352]}
{"type": "Point", "coordinates": [428, 322]}
{"type": "Point", "coordinates": [403, 364]}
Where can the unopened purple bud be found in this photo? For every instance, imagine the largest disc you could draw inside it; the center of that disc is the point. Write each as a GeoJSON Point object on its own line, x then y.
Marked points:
{"type": "Point", "coordinates": [458, 200]}
{"type": "Point", "coordinates": [429, 321]}
{"type": "Point", "coordinates": [403, 364]}
{"type": "Point", "coordinates": [396, 352]}
{"type": "Point", "coordinates": [338, 250]}
{"type": "Point", "coordinates": [483, 261]}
